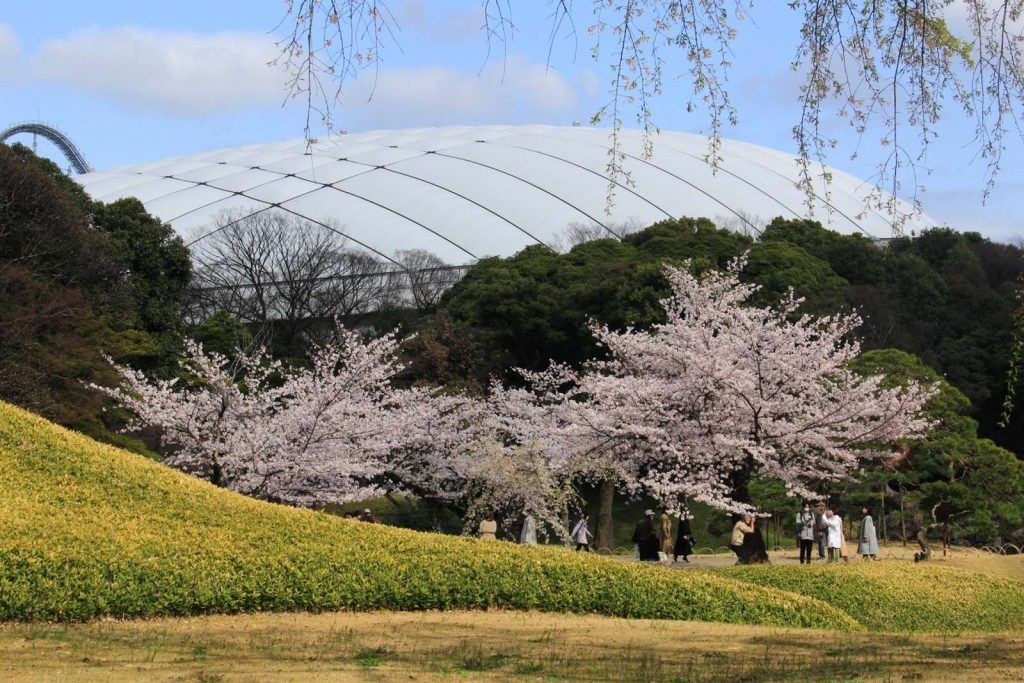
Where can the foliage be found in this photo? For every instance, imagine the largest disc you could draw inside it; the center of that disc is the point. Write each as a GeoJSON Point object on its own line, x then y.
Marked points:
{"type": "Point", "coordinates": [889, 596]}
{"type": "Point", "coordinates": [952, 479]}
{"type": "Point", "coordinates": [157, 268]}
{"type": "Point", "coordinates": [855, 258]}
{"type": "Point", "coordinates": [71, 291]}
{"type": "Point", "coordinates": [221, 333]}
{"type": "Point", "coordinates": [536, 306]}
{"type": "Point", "coordinates": [92, 531]}
{"type": "Point", "coordinates": [779, 267]}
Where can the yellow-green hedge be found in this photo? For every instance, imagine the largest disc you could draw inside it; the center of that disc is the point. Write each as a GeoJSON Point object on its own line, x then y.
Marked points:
{"type": "Point", "coordinates": [87, 530]}
{"type": "Point", "coordinates": [898, 596]}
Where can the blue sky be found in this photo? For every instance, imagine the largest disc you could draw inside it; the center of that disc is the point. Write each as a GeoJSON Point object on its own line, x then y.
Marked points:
{"type": "Point", "coordinates": [138, 81]}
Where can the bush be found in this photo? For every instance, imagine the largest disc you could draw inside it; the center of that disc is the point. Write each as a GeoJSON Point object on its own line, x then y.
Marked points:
{"type": "Point", "coordinates": [889, 596]}
{"type": "Point", "coordinates": [89, 531]}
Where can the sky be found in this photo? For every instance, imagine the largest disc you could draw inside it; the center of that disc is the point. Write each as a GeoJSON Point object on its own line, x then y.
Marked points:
{"type": "Point", "coordinates": [132, 82]}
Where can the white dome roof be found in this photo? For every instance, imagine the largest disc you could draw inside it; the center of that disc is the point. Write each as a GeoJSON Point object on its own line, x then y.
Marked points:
{"type": "Point", "coordinates": [465, 192]}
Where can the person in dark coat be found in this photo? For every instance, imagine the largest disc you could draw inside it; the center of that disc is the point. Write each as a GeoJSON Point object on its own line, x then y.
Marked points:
{"type": "Point", "coordinates": [646, 538]}
{"type": "Point", "coordinates": [684, 540]}
{"type": "Point", "coordinates": [754, 548]}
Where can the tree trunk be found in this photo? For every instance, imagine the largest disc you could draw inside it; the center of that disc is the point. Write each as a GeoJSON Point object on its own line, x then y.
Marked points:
{"type": "Point", "coordinates": [885, 535]}
{"type": "Point", "coordinates": [605, 539]}
{"type": "Point", "coordinates": [903, 519]}
{"type": "Point", "coordinates": [563, 517]}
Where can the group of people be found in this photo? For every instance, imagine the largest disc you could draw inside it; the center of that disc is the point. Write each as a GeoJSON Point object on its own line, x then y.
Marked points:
{"type": "Point", "coordinates": [824, 526]}
{"type": "Point", "coordinates": [655, 544]}
{"type": "Point", "coordinates": [580, 535]}
{"type": "Point", "coordinates": [365, 516]}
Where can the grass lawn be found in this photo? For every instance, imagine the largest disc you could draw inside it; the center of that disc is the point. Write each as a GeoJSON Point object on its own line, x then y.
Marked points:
{"type": "Point", "coordinates": [427, 646]}
{"type": "Point", "coordinates": [88, 532]}
{"type": "Point", "coordinates": [499, 645]}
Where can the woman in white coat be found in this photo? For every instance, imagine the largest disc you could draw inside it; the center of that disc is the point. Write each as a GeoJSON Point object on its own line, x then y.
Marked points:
{"type": "Point", "coordinates": [834, 526]}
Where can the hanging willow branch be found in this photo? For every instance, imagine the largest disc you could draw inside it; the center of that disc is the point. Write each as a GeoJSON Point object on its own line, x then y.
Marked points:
{"type": "Point", "coordinates": [886, 67]}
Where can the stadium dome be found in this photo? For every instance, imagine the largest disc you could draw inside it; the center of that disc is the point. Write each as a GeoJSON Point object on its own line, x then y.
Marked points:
{"type": "Point", "coordinates": [466, 192]}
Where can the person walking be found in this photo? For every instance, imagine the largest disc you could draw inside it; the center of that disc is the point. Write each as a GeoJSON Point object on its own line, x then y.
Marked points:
{"type": "Point", "coordinates": [646, 538]}
{"type": "Point", "coordinates": [743, 526]}
{"type": "Point", "coordinates": [821, 529]}
{"type": "Point", "coordinates": [665, 534]}
{"type": "Point", "coordinates": [528, 535]}
{"type": "Point", "coordinates": [581, 535]}
{"type": "Point", "coordinates": [488, 529]}
{"type": "Point", "coordinates": [806, 532]}
{"type": "Point", "coordinates": [835, 535]}
{"type": "Point", "coordinates": [684, 539]}
{"type": "Point", "coordinates": [868, 547]}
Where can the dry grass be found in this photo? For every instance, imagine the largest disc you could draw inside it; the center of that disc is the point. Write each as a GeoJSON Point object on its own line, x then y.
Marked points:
{"type": "Point", "coordinates": [386, 646]}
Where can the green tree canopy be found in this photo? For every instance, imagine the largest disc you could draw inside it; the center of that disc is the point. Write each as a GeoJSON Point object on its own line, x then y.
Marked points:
{"type": "Point", "coordinates": [956, 481]}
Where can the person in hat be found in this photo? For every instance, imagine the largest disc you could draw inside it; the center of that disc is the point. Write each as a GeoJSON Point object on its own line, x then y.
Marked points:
{"type": "Point", "coordinates": [646, 538]}
{"type": "Point", "coordinates": [367, 516]}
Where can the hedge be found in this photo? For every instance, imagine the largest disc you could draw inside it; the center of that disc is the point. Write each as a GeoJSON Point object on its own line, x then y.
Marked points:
{"type": "Point", "coordinates": [896, 596]}
{"type": "Point", "coordinates": [87, 531]}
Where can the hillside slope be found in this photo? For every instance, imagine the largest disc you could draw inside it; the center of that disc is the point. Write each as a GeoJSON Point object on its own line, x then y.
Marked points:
{"type": "Point", "coordinates": [87, 530]}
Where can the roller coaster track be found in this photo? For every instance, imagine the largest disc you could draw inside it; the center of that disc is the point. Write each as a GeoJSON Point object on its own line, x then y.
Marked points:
{"type": "Point", "coordinates": [55, 136]}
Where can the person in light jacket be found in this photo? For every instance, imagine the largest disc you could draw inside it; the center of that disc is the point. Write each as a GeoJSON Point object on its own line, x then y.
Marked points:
{"type": "Point", "coordinates": [806, 532]}
{"type": "Point", "coordinates": [743, 526]}
{"type": "Point", "coordinates": [665, 533]}
{"type": "Point", "coordinates": [488, 528]}
{"type": "Point", "coordinates": [868, 547]}
{"type": "Point", "coordinates": [581, 535]}
{"type": "Point", "coordinates": [528, 536]}
{"type": "Point", "coordinates": [835, 535]}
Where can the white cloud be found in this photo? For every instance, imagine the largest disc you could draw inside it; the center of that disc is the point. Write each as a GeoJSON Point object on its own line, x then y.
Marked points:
{"type": "Point", "coordinates": [9, 47]}
{"type": "Point", "coordinates": [177, 73]}
{"type": "Point", "coordinates": [513, 91]}
{"type": "Point", "coordinates": [450, 26]}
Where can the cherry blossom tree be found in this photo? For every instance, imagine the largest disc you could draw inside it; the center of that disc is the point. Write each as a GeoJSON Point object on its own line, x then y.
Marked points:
{"type": "Point", "coordinates": [720, 392]}
{"type": "Point", "coordinates": [340, 430]}
{"type": "Point", "coordinates": [335, 431]}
